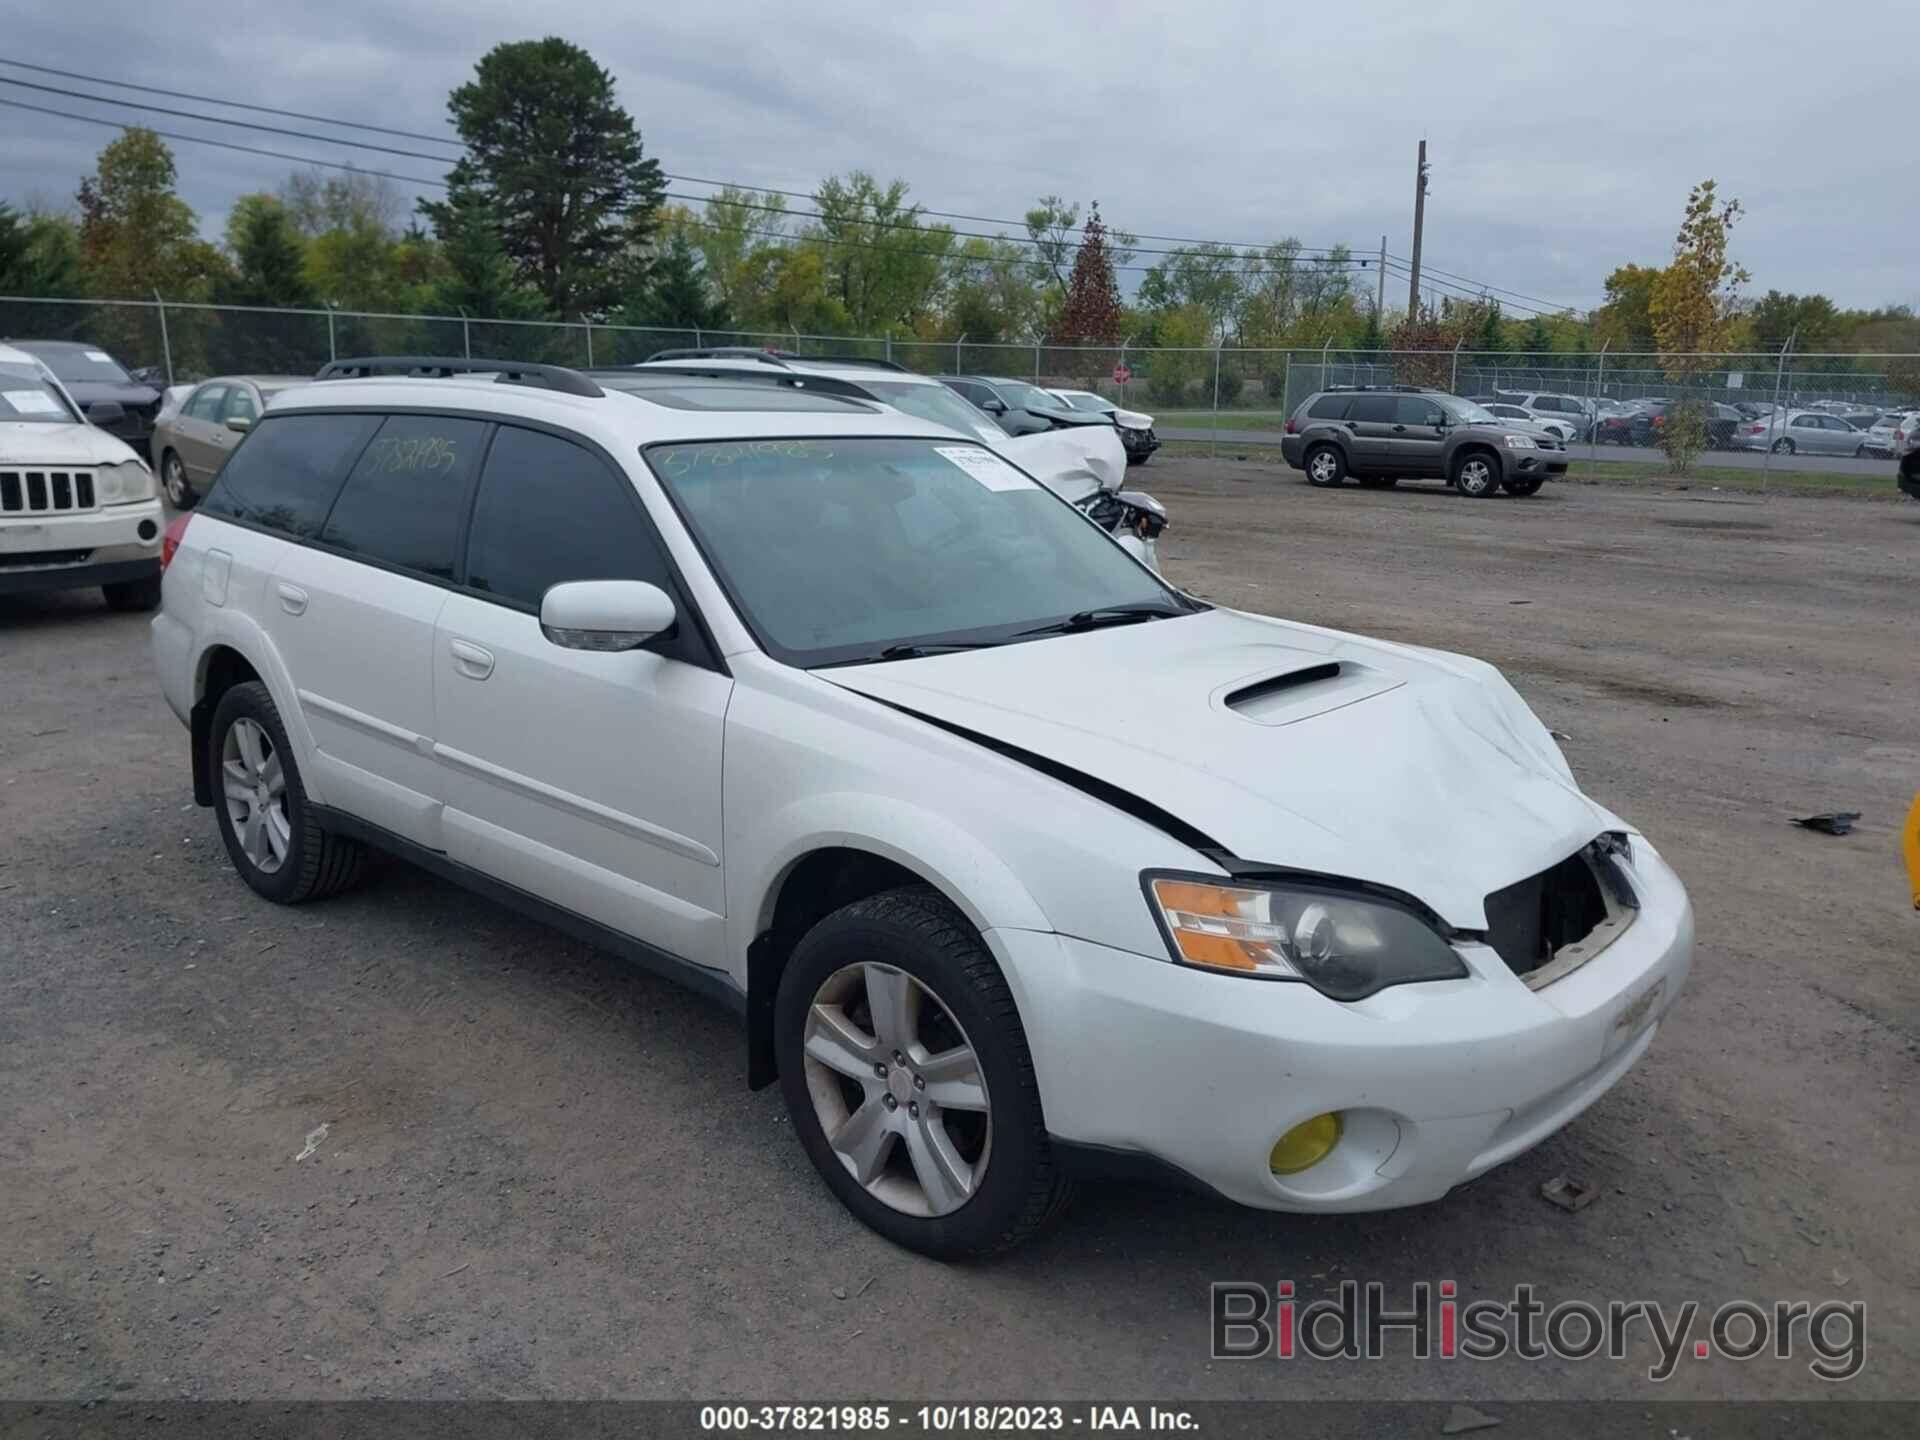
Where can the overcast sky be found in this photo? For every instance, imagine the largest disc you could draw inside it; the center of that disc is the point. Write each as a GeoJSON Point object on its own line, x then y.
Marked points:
{"type": "Point", "coordinates": [1563, 139]}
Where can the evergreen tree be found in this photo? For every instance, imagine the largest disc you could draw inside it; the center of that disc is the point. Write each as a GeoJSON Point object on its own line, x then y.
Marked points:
{"type": "Point", "coordinates": [1092, 313]}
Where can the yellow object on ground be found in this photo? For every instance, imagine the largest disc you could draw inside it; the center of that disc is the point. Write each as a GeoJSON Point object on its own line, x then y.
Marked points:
{"type": "Point", "coordinates": [1910, 845]}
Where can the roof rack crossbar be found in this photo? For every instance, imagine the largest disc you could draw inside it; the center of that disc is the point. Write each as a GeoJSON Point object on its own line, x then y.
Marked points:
{"type": "Point", "coordinates": [440, 367]}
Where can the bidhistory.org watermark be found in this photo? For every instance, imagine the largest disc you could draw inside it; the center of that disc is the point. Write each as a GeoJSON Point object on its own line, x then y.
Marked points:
{"type": "Point", "coordinates": [1429, 1321]}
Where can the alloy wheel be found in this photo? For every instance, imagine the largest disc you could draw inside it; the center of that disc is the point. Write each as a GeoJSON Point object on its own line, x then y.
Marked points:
{"type": "Point", "coordinates": [173, 479]}
{"type": "Point", "coordinates": [898, 1089]}
{"type": "Point", "coordinates": [255, 785]}
{"type": "Point", "coordinates": [1476, 477]}
{"type": "Point", "coordinates": [1323, 468]}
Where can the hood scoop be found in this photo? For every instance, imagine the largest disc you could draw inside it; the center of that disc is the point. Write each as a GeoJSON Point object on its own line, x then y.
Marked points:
{"type": "Point", "coordinates": [1298, 694]}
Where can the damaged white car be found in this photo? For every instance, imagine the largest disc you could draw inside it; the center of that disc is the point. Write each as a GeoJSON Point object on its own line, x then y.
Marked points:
{"type": "Point", "coordinates": [1020, 865]}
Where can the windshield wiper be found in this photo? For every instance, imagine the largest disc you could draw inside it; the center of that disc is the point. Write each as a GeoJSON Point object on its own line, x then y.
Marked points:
{"type": "Point", "coordinates": [912, 652]}
{"type": "Point", "coordinates": [1102, 617]}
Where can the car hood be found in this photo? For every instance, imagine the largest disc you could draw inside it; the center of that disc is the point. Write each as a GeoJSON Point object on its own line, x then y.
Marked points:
{"type": "Point", "coordinates": [1071, 463]}
{"type": "Point", "coordinates": [1408, 768]}
{"type": "Point", "coordinates": [1132, 419]}
{"type": "Point", "coordinates": [24, 442]}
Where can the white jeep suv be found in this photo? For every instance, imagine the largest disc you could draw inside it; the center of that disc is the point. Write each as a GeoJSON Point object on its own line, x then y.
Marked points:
{"type": "Point", "coordinates": [77, 506]}
{"type": "Point", "coordinates": [1019, 864]}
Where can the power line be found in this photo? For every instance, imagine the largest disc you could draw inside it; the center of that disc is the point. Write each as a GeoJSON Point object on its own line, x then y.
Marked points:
{"type": "Point", "coordinates": [459, 144]}
{"type": "Point", "coordinates": [223, 144]}
{"type": "Point", "coordinates": [1311, 255]}
{"type": "Point", "coordinates": [231, 104]}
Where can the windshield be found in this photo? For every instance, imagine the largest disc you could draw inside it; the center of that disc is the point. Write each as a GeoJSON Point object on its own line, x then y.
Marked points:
{"type": "Point", "coordinates": [836, 551]}
{"type": "Point", "coordinates": [1027, 397]}
{"type": "Point", "coordinates": [1467, 411]}
{"type": "Point", "coordinates": [1082, 400]}
{"type": "Point", "coordinates": [930, 402]}
{"type": "Point", "coordinates": [26, 395]}
{"type": "Point", "coordinates": [74, 366]}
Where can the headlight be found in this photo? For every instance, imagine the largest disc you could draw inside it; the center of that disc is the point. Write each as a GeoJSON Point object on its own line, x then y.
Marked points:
{"type": "Point", "coordinates": [1519, 442]}
{"type": "Point", "coordinates": [1344, 946]}
{"type": "Point", "coordinates": [123, 483]}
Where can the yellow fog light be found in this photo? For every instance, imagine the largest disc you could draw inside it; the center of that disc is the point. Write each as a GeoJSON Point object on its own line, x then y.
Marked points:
{"type": "Point", "coordinates": [1306, 1144]}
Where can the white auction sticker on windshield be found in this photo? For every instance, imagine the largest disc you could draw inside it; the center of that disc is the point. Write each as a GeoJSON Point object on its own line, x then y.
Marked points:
{"type": "Point", "coordinates": [101, 356]}
{"type": "Point", "coordinates": [31, 402]}
{"type": "Point", "coordinates": [985, 466]}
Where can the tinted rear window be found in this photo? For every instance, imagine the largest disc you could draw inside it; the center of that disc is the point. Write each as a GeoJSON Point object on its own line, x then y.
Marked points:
{"type": "Point", "coordinates": [285, 474]}
{"type": "Point", "coordinates": [406, 500]}
{"type": "Point", "coordinates": [1371, 409]}
{"type": "Point", "coordinates": [1329, 407]}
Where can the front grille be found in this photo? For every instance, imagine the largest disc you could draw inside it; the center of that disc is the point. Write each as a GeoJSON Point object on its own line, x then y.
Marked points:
{"type": "Point", "coordinates": [45, 492]}
{"type": "Point", "coordinates": [41, 559]}
{"type": "Point", "coordinates": [1529, 922]}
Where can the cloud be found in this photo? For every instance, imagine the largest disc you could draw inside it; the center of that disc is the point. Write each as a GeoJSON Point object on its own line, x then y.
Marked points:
{"type": "Point", "coordinates": [1563, 143]}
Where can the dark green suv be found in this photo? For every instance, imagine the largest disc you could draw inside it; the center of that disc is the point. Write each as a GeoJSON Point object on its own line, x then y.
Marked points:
{"type": "Point", "coordinates": [1382, 435]}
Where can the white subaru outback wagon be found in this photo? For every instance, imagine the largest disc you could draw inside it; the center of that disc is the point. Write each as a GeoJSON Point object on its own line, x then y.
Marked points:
{"type": "Point", "coordinates": [1020, 865]}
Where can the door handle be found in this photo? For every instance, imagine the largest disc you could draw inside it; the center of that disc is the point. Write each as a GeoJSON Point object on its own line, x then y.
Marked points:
{"type": "Point", "coordinates": [293, 599]}
{"type": "Point", "coordinates": [1399, 429]}
{"type": "Point", "coordinates": [471, 660]}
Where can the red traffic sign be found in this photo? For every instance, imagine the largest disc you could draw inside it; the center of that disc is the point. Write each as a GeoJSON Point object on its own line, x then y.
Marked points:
{"type": "Point", "coordinates": [1121, 374]}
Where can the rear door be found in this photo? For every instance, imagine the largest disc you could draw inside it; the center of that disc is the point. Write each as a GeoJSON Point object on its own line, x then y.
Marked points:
{"type": "Point", "coordinates": [194, 431]}
{"type": "Point", "coordinates": [1419, 441]}
{"type": "Point", "coordinates": [590, 779]}
{"type": "Point", "coordinates": [1371, 418]}
{"type": "Point", "coordinates": [354, 613]}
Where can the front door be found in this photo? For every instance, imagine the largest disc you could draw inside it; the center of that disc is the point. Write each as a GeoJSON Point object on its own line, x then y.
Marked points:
{"type": "Point", "coordinates": [1418, 436]}
{"type": "Point", "coordinates": [590, 779]}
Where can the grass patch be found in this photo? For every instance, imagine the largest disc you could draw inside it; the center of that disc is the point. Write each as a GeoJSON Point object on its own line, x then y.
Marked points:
{"type": "Point", "coordinates": [1778, 481]}
{"type": "Point", "coordinates": [1219, 419]}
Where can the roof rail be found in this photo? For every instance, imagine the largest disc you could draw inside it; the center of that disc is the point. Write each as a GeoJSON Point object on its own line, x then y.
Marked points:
{"type": "Point", "coordinates": [782, 377]}
{"type": "Point", "coordinates": [863, 361]}
{"type": "Point", "coordinates": [724, 352]}
{"type": "Point", "coordinates": [440, 367]}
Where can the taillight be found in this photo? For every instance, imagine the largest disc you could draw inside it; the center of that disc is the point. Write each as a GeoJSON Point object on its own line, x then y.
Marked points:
{"type": "Point", "coordinates": [1293, 427]}
{"type": "Point", "coordinates": [170, 541]}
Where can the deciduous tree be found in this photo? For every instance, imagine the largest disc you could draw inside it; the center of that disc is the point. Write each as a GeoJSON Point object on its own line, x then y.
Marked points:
{"type": "Point", "coordinates": [1092, 314]}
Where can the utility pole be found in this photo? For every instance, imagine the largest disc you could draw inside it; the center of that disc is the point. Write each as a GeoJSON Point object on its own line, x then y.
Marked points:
{"type": "Point", "coordinates": [1380, 279]}
{"type": "Point", "coordinates": [1419, 226]}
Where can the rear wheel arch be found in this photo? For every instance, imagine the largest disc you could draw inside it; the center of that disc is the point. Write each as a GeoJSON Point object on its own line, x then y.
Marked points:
{"type": "Point", "coordinates": [221, 668]}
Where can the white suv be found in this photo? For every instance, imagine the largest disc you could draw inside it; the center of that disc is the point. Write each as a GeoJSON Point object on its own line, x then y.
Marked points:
{"type": "Point", "coordinates": [77, 506]}
{"type": "Point", "coordinates": [1019, 864]}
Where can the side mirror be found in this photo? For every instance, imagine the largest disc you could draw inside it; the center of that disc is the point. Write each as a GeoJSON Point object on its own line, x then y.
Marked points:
{"type": "Point", "coordinates": [240, 423]}
{"type": "Point", "coordinates": [605, 615]}
{"type": "Point", "coordinates": [106, 412]}
{"type": "Point", "coordinates": [993, 405]}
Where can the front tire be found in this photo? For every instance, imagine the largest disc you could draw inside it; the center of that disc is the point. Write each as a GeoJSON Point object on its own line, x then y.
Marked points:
{"type": "Point", "coordinates": [261, 804]}
{"type": "Point", "coordinates": [133, 596]}
{"type": "Point", "coordinates": [1476, 474]}
{"type": "Point", "coordinates": [908, 1078]}
{"type": "Point", "coordinates": [173, 481]}
{"type": "Point", "coordinates": [1326, 467]}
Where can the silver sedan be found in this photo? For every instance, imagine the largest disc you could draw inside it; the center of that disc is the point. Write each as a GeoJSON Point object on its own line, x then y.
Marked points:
{"type": "Point", "coordinates": [1805, 432]}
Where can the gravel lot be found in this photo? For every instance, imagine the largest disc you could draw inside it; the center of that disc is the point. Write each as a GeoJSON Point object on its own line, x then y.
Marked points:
{"type": "Point", "coordinates": [404, 1143]}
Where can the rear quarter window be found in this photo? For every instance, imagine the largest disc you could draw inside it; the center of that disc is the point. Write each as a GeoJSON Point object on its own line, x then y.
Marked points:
{"type": "Point", "coordinates": [1329, 407]}
{"type": "Point", "coordinates": [285, 474]}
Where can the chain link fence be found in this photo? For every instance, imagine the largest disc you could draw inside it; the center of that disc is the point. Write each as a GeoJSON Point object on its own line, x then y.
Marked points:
{"type": "Point", "coordinates": [1222, 390]}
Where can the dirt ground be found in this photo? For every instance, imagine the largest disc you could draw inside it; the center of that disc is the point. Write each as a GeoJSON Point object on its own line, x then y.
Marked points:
{"type": "Point", "coordinates": [406, 1144]}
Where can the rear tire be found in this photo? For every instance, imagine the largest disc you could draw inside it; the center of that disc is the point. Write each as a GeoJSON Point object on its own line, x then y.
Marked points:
{"type": "Point", "coordinates": [1476, 474]}
{"type": "Point", "coordinates": [833, 1041]}
{"type": "Point", "coordinates": [132, 596]}
{"type": "Point", "coordinates": [1783, 446]}
{"type": "Point", "coordinates": [1326, 467]}
{"type": "Point", "coordinates": [291, 858]}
